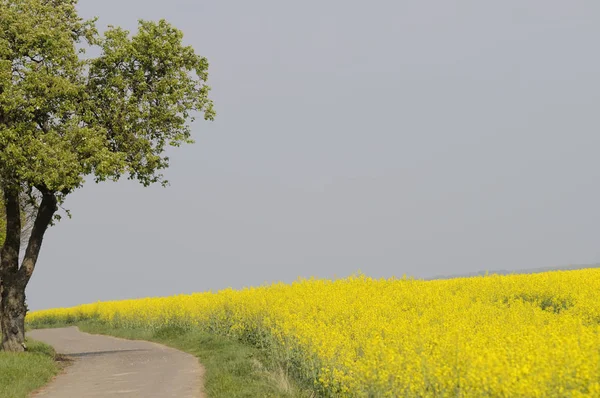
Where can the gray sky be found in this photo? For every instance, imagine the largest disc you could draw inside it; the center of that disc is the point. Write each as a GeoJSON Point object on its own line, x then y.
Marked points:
{"type": "Point", "coordinates": [391, 137]}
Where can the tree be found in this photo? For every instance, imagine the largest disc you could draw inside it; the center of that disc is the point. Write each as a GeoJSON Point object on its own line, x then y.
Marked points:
{"type": "Point", "coordinates": [65, 117]}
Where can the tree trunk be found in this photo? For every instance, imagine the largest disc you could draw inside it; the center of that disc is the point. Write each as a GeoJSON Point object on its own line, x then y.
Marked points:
{"type": "Point", "coordinates": [12, 297]}
{"type": "Point", "coordinates": [12, 315]}
{"type": "Point", "coordinates": [14, 279]}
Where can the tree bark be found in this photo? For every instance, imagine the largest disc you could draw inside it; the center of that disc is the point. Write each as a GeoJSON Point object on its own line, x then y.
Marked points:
{"type": "Point", "coordinates": [13, 311]}
{"type": "Point", "coordinates": [14, 280]}
{"type": "Point", "coordinates": [11, 321]}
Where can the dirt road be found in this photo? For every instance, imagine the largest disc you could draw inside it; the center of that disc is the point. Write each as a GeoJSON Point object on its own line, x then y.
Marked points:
{"type": "Point", "coordinates": [109, 367]}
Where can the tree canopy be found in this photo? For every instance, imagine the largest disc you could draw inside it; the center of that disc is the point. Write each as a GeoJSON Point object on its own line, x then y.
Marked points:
{"type": "Point", "coordinates": [66, 117]}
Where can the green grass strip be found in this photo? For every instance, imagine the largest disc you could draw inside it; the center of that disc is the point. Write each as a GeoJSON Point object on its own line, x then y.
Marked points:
{"type": "Point", "coordinates": [23, 373]}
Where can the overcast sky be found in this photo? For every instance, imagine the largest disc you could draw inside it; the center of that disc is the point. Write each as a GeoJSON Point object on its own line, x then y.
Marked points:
{"type": "Point", "coordinates": [390, 137]}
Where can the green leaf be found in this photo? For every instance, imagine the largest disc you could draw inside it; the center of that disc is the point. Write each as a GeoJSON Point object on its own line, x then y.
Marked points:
{"type": "Point", "coordinates": [64, 117]}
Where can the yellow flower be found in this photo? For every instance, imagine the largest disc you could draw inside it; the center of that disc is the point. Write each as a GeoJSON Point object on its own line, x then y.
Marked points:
{"type": "Point", "coordinates": [495, 336]}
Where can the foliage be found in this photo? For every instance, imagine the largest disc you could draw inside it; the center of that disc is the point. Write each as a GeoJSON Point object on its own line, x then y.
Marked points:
{"type": "Point", "coordinates": [64, 116]}
{"type": "Point", "coordinates": [518, 335]}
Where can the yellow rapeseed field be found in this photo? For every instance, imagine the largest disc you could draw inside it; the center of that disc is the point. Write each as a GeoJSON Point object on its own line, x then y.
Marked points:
{"type": "Point", "coordinates": [493, 336]}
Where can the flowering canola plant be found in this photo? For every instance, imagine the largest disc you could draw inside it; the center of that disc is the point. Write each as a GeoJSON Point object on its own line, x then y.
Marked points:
{"type": "Point", "coordinates": [493, 336]}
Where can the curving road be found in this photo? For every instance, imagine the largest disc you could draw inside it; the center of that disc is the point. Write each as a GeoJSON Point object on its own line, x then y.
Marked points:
{"type": "Point", "coordinates": [110, 367]}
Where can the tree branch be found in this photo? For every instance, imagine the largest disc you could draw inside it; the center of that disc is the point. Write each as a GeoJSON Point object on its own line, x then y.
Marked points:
{"type": "Point", "coordinates": [45, 213]}
{"type": "Point", "coordinates": [30, 203]}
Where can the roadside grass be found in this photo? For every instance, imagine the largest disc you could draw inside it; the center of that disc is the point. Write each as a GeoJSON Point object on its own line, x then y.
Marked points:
{"type": "Point", "coordinates": [23, 373]}
{"type": "Point", "coordinates": [232, 369]}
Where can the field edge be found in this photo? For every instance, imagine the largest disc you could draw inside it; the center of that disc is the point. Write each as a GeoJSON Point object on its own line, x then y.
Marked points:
{"type": "Point", "coordinates": [232, 368]}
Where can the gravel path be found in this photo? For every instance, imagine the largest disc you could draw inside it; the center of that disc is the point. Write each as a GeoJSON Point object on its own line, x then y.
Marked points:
{"type": "Point", "coordinates": [110, 367]}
